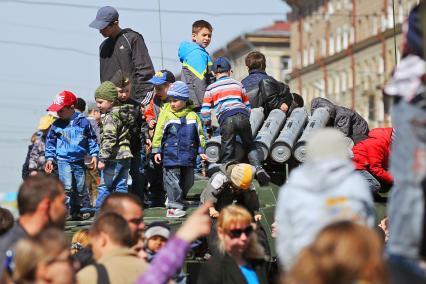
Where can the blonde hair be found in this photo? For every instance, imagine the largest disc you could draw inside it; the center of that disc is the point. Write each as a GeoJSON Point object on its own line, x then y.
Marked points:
{"type": "Point", "coordinates": [234, 214]}
{"type": "Point", "coordinates": [79, 240]}
{"type": "Point", "coordinates": [343, 252]}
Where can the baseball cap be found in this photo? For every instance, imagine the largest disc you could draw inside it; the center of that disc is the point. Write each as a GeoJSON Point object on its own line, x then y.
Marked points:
{"type": "Point", "coordinates": [161, 77]}
{"type": "Point", "coordinates": [63, 99]}
{"type": "Point", "coordinates": [221, 64]}
{"type": "Point", "coordinates": [104, 17]}
{"type": "Point", "coordinates": [157, 229]}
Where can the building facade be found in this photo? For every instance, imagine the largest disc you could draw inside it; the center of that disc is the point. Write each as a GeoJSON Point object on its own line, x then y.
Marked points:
{"type": "Point", "coordinates": [273, 41]}
{"type": "Point", "coordinates": [345, 50]}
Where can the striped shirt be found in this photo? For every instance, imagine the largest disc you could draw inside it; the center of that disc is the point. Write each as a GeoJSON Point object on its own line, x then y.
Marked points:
{"type": "Point", "coordinates": [227, 97]}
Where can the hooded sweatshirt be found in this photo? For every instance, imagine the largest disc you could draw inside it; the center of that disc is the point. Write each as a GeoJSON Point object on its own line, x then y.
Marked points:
{"type": "Point", "coordinates": [115, 135]}
{"type": "Point", "coordinates": [178, 136]}
{"type": "Point", "coordinates": [317, 194]}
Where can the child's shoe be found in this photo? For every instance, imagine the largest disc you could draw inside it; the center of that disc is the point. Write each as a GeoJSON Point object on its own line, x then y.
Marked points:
{"type": "Point", "coordinates": [175, 213]}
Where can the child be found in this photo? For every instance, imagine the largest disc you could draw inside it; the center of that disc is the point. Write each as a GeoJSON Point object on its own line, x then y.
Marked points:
{"type": "Point", "coordinates": [233, 182]}
{"type": "Point", "coordinates": [138, 134]}
{"type": "Point", "coordinates": [227, 96]}
{"type": "Point", "coordinates": [156, 236]}
{"type": "Point", "coordinates": [196, 61]}
{"type": "Point", "coordinates": [115, 153]}
{"type": "Point", "coordinates": [37, 158]}
{"type": "Point", "coordinates": [70, 139]}
{"type": "Point", "coordinates": [94, 116]}
{"type": "Point", "coordinates": [154, 172]}
{"type": "Point", "coordinates": [177, 140]}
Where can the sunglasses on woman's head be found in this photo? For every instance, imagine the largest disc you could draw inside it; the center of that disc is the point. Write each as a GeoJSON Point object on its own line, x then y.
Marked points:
{"type": "Point", "coordinates": [233, 234]}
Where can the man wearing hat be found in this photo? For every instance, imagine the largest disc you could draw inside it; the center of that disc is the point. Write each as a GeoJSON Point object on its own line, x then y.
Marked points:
{"type": "Point", "coordinates": [125, 50]}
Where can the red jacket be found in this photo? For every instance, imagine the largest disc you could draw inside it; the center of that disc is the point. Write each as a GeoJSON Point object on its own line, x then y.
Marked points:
{"type": "Point", "coordinates": [372, 154]}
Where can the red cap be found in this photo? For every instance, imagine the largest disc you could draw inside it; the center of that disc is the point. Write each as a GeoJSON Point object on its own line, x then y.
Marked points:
{"type": "Point", "coordinates": [63, 99]}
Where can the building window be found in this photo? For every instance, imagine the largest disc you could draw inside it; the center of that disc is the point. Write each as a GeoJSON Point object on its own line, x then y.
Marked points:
{"type": "Point", "coordinates": [345, 37]}
{"type": "Point", "coordinates": [305, 57]}
{"type": "Point", "coordinates": [330, 8]}
{"type": "Point", "coordinates": [338, 40]}
{"type": "Point", "coordinates": [323, 47]}
{"type": "Point", "coordinates": [285, 63]}
{"type": "Point", "coordinates": [311, 54]}
{"type": "Point", "coordinates": [299, 59]}
{"type": "Point", "coordinates": [331, 45]}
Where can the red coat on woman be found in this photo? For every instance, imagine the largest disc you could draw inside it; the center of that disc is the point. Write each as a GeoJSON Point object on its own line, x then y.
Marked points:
{"type": "Point", "coordinates": [372, 154]}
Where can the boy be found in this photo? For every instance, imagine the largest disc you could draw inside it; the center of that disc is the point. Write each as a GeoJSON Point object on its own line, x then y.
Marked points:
{"type": "Point", "coordinates": [232, 182]}
{"type": "Point", "coordinates": [70, 139]}
{"type": "Point", "coordinates": [156, 236]}
{"type": "Point", "coordinates": [154, 173]}
{"type": "Point", "coordinates": [37, 158]}
{"type": "Point", "coordinates": [137, 134]}
{"type": "Point", "coordinates": [256, 65]}
{"type": "Point", "coordinates": [115, 153]}
{"type": "Point", "coordinates": [94, 116]}
{"type": "Point", "coordinates": [232, 108]}
{"type": "Point", "coordinates": [178, 139]}
{"type": "Point", "coordinates": [196, 61]}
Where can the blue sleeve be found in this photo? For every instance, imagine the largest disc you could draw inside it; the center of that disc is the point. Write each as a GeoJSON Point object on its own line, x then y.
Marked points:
{"type": "Point", "coordinates": [50, 152]}
{"type": "Point", "coordinates": [92, 140]}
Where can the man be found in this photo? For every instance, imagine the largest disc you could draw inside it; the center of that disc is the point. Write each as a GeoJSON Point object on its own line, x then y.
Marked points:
{"type": "Point", "coordinates": [111, 240]}
{"type": "Point", "coordinates": [41, 203]}
{"type": "Point", "coordinates": [125, 50]}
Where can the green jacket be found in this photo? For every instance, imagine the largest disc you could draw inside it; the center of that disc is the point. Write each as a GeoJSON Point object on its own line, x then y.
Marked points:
{"type": "Point", "coordinates": [115, 134]}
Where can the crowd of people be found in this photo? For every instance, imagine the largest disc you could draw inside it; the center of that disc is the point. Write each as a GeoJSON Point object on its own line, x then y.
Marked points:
{"type": "Point", "coordinates": [154, 127]}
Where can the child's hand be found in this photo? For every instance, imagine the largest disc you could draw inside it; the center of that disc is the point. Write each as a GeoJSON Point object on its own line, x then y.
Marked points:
{"type": "Point", "coordinates": [48, 168]}
{"type": "Point", "coordinates": [92, 164]}
{"type": "Point", "coordinates": [33, 173]}
{"type": "Point", "coordinates": [101, 166]}
{"type": "Point", "coordinates": [152, 123]}
{"type": "Point", "coordinates": [204, 157]}
{"type": "Point", "coordinates": [148, 143]}
{"type": "Point", "coordinates": [157, 158]}
{"type": "Point", "coordinates": [257, 217]}
{"type": "Point", "coordinates": [213, 212]}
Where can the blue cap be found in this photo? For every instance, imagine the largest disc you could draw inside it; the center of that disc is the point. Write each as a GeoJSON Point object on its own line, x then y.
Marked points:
{"type": "Point", "coordinates": [104, 17]}
{"type": "Point", "coordinates": [221, 64]}
{"type": "Point", "coordinates": [161, 77]}
{"type": "Point", "coordinates": [178, 90]}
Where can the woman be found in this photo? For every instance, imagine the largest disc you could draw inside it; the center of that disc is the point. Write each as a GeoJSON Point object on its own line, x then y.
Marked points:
{"type": "Point", "coordinates": [343, 252]}
{"type": "Point", "coordinates": [241, 258]}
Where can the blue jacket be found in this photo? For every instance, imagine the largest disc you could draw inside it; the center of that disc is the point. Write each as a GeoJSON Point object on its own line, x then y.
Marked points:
{"type": "Point", "coordinates": [178, 136]}
{"type": "Point", "coordinates": [71, 140]}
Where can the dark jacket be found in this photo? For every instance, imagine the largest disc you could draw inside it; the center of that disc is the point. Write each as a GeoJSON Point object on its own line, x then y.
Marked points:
{"type": "Point", "coordinates": [127, 52]}
{"type": "Point", "coordinates": [346, 120]}
{"type": "Point", "coordinates": [138, 128]}
{"type": "Point", "coordinates": [251, 82]}
{"type": "Point", "coordinates": [7, 242]}
{"type": "Point", "coordinates": [222, 269]}
{"type": "Point", "coordinates": [25, 169]}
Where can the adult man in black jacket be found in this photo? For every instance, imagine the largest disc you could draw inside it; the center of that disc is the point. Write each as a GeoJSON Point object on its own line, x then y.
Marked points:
{"type": "Point", "coordinates": [125, 50]}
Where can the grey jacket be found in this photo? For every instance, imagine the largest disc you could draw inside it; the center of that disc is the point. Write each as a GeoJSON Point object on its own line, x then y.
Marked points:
{"type": "Point", "coordinates": [197, 87]}
{"type": "Point", "coordinates": [316, 195]}
{"type": "Point", "coordinates": [346, 120]}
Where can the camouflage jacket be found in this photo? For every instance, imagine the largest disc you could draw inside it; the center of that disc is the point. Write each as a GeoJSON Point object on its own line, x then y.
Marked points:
{"type": "Point", "coordinates": [37, 158]}
{"type": "Point", "coordinates": [115, 134]}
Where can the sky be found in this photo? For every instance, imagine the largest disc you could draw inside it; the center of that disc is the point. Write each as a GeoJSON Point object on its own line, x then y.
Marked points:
{"type": "Point", "coordinates": [47, 46]}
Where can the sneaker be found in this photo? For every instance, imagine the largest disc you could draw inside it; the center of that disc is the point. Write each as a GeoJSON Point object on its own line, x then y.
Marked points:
{"type": "Point", "coordinates": [175, 213]}
{"type": "Point", "coordinates": [262, 176]}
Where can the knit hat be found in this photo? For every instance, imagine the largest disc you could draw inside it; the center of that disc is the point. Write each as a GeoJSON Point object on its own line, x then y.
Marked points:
{"type": "Point", "coordinates": [106, 91]}
{"type": "Point", "coordinates": [178, 90]}
{"type": "Point", "coordinates": [241, 175]}
{"type": "Point", "coordinates": [327, 143]}
{"type": "Point", "coordinates": [45, 122]}
{"type": "Point", "coordinates": [157, 229]}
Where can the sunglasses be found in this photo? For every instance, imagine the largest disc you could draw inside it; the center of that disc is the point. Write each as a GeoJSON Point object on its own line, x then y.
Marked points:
{"type": "Point", "coordinates": [233, 234]}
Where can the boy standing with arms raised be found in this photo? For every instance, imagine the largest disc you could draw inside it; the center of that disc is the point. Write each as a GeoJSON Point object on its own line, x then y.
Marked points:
{"type": "Point", "coordinates": [70, 139]}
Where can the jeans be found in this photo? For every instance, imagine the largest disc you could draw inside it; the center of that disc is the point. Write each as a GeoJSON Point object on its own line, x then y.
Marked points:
{"type": "Point", "coordinates": [406, 208]}
{"type": "Point", "coordinates": [113, 179]}
{"type": "Point", "coordinates": [73, 176]}
{"type": "Point", "coordinates": [137, 172]}
{"type": "Point", "coordinates": [177, 182]}
{"type": "Point", "coordinates": [154, 175]}
{"type": "Point", "coordinates": [238, 124]}
{"type": "Point", "coordinates": [373, 183]}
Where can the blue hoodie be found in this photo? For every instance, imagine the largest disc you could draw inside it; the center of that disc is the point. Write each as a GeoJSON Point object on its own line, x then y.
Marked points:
{"type": "Point", "coordinates": [71, 140]}
{"type": "Point", "coordinates": [195, 58]}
